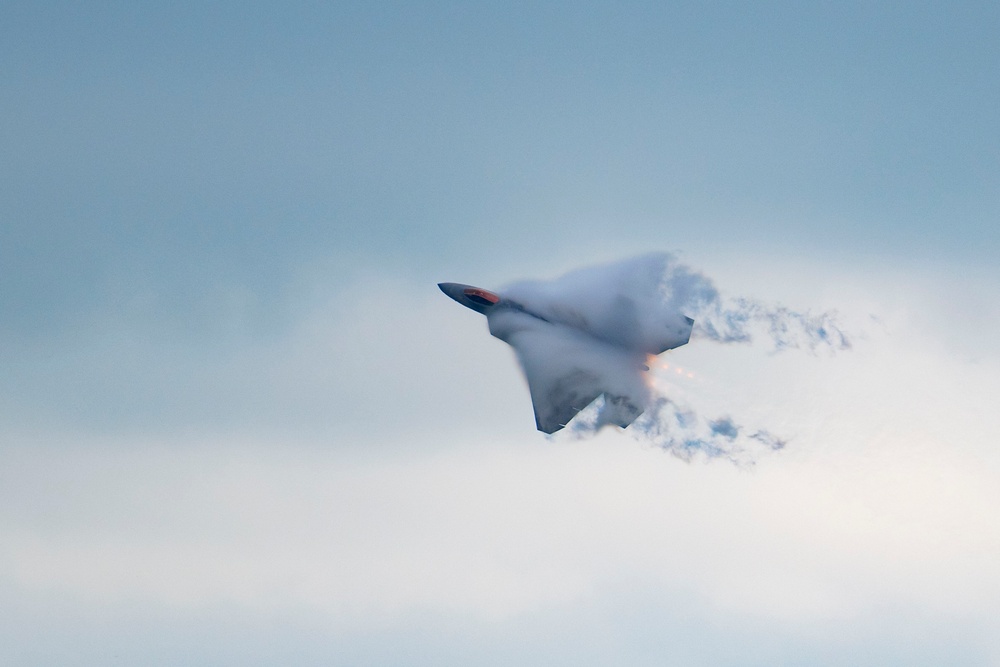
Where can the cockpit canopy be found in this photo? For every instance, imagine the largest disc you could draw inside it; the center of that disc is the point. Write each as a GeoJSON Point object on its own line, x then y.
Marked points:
{"type": "Point", "coordinates": [481, 296]}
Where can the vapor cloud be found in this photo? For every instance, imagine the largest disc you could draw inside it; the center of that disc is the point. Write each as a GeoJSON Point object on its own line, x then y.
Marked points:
{"type": "Point", "coordinates": [680, 430]}
{"type": "Point", "coordinates": [629, 303]}
{"type": "Point", "coordinates": [666, 286]}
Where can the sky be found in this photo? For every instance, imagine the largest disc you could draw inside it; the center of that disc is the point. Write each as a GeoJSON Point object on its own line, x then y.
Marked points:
{"type": "Point", "coordinates": [240, 424]}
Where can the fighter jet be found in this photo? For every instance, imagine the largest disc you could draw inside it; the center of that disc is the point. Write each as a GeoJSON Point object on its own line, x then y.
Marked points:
{"type": "Point", "coordinates": [573, 353]}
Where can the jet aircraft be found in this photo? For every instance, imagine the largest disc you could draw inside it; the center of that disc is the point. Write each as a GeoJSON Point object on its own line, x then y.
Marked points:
{"type": "Point", "coordinates": [573, 355]}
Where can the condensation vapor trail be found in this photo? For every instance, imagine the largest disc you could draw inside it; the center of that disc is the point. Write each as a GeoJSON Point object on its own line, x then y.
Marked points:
{"type": "Point", "coordinates": [662, 287]}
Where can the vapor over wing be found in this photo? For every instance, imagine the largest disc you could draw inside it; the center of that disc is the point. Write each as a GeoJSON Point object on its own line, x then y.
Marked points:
{"type": "Point", "coordinates": [567, 370]}
{"type": "Point", "coordinates": [629, 304]}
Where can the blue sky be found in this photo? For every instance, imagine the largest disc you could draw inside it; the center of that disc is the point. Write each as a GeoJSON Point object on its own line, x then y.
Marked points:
{"type": "Point", "coordinates": [239, 420]}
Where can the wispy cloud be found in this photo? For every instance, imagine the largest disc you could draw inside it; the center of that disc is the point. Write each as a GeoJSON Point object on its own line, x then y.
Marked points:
{"type": "Point", "coordinates": [734, 319]}
{"type": "Point", "coordinates": [680, 430]}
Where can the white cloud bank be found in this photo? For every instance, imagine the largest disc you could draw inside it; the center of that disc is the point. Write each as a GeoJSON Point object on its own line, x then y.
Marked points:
{"type": "Point", "coordinates": [462, 538]}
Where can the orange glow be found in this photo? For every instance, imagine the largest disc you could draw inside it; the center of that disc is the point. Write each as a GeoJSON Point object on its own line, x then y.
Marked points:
{"type": "Point", "coordinates": [482, 294]}
{"type": "Point", "coordinates": [657, 364]}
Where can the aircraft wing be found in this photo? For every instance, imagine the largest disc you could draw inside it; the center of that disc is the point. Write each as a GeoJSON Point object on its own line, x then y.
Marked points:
{"type": "Point", "coordinates": [557, 399]}
{"type": "Point", "coordinates": [567, 371]}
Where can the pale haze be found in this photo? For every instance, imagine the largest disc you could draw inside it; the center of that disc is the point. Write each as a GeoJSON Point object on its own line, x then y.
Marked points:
{"type": "Point", "coordinates": [240, 424]}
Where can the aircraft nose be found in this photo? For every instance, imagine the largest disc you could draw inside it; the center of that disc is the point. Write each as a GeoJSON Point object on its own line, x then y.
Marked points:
{"type": "Point", "coordinates": [476, 298]}
{"type": "Point", "coordinates": [454, 290]}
